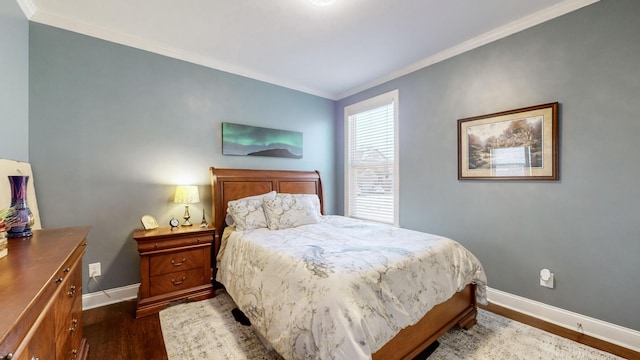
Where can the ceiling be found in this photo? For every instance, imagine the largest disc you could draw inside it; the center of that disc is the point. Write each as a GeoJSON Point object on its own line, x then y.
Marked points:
{"type": "Point", "coordinates": [331, 51]}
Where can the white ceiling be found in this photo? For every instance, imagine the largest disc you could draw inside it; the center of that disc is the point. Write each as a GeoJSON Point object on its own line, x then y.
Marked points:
{"type": "Point", "coordinates": [332, 51]}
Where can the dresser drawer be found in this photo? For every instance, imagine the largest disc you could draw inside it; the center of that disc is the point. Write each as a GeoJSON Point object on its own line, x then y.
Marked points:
{"type": "Point", "coordinates": [172, 243]}
{"type": "Point", "coordinates": [41, 271]}
{"type": "Point", "coordinates": [42, 342]}
{"type": "Point", "coordinates": [69, 292]}
{"type": "Point", "coordinates": [65, 271]}
{"type": "Point", "coordinates": [178, 261]}
{"type": "Point", "coordinates": [69, 339]}
{"type": "Point", "coordinates": [176, 281]}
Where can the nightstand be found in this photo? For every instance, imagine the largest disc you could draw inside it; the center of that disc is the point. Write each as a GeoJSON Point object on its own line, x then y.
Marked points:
{"type": "Point", "coordinates": [175, 266]}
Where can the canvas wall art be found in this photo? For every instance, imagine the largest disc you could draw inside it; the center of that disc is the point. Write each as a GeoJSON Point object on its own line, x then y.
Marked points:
{"type": "Point", "coordinates": [246, 140]}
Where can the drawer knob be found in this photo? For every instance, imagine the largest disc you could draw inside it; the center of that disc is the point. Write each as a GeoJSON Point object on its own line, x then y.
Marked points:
{"type": "Point", "coordinates": [59, 280]}
{"type": "Point", "coordinates": [174, 282]}
{"type": "Point", "coordinates": [72, 291]}
{"type": "Point", "coordinates": [67, 270]}
{"type": "Point", "coordinates": [73, 328]}
{"type": "Point", "coordinates": [178, 263]}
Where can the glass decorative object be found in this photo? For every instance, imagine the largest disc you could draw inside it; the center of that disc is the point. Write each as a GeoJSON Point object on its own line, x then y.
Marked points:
{"type": "Point", "coordinates": [25, 219]}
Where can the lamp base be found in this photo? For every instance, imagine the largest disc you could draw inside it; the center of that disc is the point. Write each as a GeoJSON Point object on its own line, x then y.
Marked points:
{"type": "Point", "coordinates": [186, 216]}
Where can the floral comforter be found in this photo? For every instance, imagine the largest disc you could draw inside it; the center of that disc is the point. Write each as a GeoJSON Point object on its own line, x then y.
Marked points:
{"type": "Point", "coordinates": [342, 288]}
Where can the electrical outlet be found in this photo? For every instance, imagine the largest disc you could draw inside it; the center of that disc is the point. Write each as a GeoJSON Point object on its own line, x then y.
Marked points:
{"type": "Point", "coordinates": [94, 270]}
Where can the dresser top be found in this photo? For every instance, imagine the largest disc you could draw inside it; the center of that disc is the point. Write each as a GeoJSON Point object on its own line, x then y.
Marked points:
{"type": "Point", "coordinates": [31, 264]}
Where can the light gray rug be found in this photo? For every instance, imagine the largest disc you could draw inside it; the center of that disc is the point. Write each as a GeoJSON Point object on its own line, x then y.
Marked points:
{"type": "Point", "coordinates": [207, 330]}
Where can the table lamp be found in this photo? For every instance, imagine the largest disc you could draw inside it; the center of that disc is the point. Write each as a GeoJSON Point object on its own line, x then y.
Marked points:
{"type": "Point", "coordinates": [186, 195]}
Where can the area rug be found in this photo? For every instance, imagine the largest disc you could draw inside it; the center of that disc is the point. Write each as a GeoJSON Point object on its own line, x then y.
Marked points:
{"type": "Point", "coordinates": [207, 330]}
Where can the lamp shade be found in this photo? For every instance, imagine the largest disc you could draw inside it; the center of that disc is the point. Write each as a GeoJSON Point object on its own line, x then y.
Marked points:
{"type": "Point", "coordinates": [186, 194]}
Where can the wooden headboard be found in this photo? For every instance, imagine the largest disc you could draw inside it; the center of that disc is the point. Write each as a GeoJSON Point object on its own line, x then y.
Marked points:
{"type": "Point", "coordinates": [233, 184]}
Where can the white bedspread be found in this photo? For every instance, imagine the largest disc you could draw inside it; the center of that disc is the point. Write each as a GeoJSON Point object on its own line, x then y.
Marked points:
{"type": "Point", "coordinates": [342, 288]}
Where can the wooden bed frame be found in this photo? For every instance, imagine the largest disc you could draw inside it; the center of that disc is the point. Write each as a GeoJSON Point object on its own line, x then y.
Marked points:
{"type": "Point", "coordinates": [232, 184]}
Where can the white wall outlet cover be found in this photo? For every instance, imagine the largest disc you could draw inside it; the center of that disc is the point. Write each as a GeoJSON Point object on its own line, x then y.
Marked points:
{"type": "Point", "coordinates": [95, 270]}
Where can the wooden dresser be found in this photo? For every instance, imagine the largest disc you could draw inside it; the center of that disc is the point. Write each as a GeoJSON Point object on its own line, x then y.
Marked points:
{"type": "Point", "coordinates": [41, 296]}
{"type": "Point", "coordinates": [175, 266]}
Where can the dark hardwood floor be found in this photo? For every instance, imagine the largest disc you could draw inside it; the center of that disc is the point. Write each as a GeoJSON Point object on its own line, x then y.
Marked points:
{"type": "Point", "coordinates": [113, 332]}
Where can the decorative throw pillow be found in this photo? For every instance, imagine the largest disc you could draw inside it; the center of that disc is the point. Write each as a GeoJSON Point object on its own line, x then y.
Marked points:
{"type": "Point", "coordinates": [291, 210]}
{"type": "Point", "coordinates": [229, 219]}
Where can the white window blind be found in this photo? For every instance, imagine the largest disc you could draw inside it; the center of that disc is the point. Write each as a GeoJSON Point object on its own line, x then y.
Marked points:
{"type": "Point", "coordinates": [371, 174]}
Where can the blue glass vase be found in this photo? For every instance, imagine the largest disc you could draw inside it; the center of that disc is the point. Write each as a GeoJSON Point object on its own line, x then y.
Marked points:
{"type": "Point", "coordinates": [22, 227]}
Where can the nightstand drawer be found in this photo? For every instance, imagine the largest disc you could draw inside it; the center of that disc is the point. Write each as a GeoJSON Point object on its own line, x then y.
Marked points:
{"type": "Point", "coordinates": [180, 280]}
{"type": "Point", "coordinates": [178, 261]}
{"type": "Point", "coordinates": [174, 243]}
{"type": "Point", "coordinates": [175, 264]}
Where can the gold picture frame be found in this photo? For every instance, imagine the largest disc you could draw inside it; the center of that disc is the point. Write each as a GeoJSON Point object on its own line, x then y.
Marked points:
{"type": "Point", "coordinates": [149, 222]}
{"type": "Point", "coordinates": [520, 144]}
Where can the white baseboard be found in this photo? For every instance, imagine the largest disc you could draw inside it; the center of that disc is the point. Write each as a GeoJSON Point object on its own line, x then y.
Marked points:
{"type": "Point", "coordinates": [110, 296]}
{"type": "Point", "coordinates": [611, 333]}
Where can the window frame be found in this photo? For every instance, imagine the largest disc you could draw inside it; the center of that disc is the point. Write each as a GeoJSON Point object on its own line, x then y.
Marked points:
{"type": "Point", "coordinates": [391, 97]}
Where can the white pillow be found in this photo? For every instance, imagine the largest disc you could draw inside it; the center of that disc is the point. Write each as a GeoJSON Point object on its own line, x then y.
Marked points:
{"type": "Point", "coordinates": [229, 219]}
{"type": "Point", "coordinates": [289, 210]}
{"type": "Point", "coordinates": [314, 199]}
{"type": "Point", "coordinates": [247, 213]}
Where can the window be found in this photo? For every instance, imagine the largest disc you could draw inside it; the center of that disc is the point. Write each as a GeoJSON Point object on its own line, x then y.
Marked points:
{"type": "Point", "coordinates": [371, 164]}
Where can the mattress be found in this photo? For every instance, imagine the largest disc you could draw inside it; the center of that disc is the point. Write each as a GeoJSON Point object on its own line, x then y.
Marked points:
{"type": "Point", "coordinates": [341, 288]}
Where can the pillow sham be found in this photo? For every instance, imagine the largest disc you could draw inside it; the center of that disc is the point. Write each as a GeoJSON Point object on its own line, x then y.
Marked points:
{"type": "Point", "coordinates": [247, 213]}
{"type": "Point", "coordinates": [291, 210]}
{"type": "Point", "coordinates": [229, 219]}
{"type": "Point", "coordinates": [315, 200]}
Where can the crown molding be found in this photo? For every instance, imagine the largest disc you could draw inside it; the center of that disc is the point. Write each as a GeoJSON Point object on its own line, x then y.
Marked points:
{"type": "Point", "coordinates": [46, 18]}
{"type": "Point", "coordinates": [524, 23]}
{"type": "Point", "coordinates": [27, 7]}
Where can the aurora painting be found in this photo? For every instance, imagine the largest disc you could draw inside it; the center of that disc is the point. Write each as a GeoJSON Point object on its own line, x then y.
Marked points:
{"type": "Point", "coordinates": [258, 141]}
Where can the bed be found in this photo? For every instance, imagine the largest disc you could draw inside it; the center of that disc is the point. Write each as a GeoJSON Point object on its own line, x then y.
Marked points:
{"type": "Point", "coordinates": [239, 273]}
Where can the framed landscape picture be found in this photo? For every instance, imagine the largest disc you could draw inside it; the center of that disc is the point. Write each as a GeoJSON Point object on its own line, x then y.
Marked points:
{"type": "Point", "coordinates": [520, 144]}
{"type": "Point", "coordinates": [246, 140]}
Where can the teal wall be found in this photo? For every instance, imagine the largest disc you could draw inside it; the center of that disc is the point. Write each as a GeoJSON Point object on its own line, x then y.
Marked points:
{"type": "Point", "coordinates": [114, 129]}
{"type": "Point", "coordinates": [584, 227]}
{"type": "Point", "coordinates": [14, 82]}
